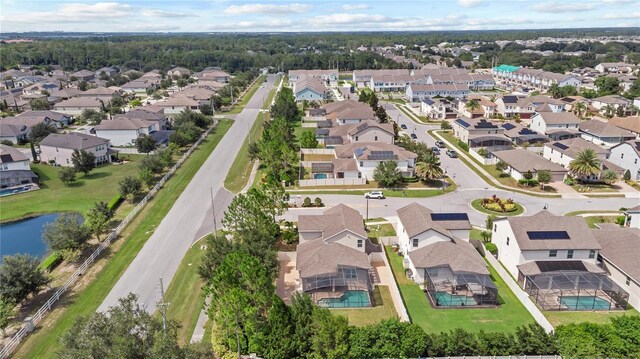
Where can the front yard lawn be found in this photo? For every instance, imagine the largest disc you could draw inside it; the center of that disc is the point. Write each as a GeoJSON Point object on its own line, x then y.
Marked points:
{"type": "Point", "coordinates": [383, 309]}
{"type": "Point", "coordinates": [509, 315]}
{"type": "Point", "coordinates": [54, 196]}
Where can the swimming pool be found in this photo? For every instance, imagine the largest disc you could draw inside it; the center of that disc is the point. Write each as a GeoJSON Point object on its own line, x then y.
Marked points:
{"type": "Point", "coordinates": [10, 191]}
{"type": "Point", "coordinates": [585, 303]}
{"type": "Point", "coordinates": [444, 299]}
{"type": "Point", "coordinates": [319, 176]}
{"type": "Point", "coordinates": [350, 299]}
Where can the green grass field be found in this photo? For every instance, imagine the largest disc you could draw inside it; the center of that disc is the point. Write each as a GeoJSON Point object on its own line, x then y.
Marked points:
{"type": "Point", "coordinates": [239, 106]}
{"type": "Point", "coordinates": [383, 309]}
{"type": "Point", "coordinates": [54, 196]}
{"type": "Point", "coordinates": [509, 315]}
{"type": "Point", "coordinates": [45, 343]}
{"type": "Point", "coordinates": [599, 317]}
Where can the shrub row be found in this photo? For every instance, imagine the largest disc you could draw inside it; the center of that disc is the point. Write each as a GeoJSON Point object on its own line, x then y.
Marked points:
{"type": "Point", "coordinates": [52, 261]}
{"type": "Point", "coordinates": [528, 182]}
{"type": "Point", "coordinates": [115, 202]}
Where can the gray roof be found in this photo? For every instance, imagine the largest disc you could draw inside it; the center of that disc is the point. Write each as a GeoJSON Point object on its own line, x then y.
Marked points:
{"type": "Point", "coordinates": [333, 221]}
{"type": "Point", "coordinates": [524, 160]}
{"type": "Point", "coordinates": [7, 129]}
{"type": "Point", "coordinates": [9, 154]}
{"type": "Point", "coordinates": [417, 219]}
{"type": "Point", "coordinates": [79, 102]}
{"type": "Point", "coordinates": [73, 140]}
{"type": "Point", "coordinates": [533, 267]}
{"type": "Point", "coordinates": [559, 118]}
{"type": "Point", "coordinates": [142, 114]}
{"type": "Point", "coordinates": [580, 236]}
{"type": "Point", "coordinates": [363, 150]}
{"type": "Point", "coordinates": [317, 257]}
{"type": "Point", "coordinates": [621, 246]}
{"type": "Point", "coordinates": [575, 145]}
{"type": "Point", "coordinates": [40, 115]}
{"type": "Point", "coordinates": [123, 123]}
{"type": "Point", "coordinates": [459, 255]}
{"type": "Point", "coordinates": [603, 129]}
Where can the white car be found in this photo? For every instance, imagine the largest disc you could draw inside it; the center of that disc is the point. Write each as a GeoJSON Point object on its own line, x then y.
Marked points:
{"type": "Point", "coordinates": [374, 195]}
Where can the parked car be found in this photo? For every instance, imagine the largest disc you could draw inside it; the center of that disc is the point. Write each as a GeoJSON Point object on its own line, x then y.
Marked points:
{"type": "Point", "coordinates": [374, 195]}
{"type": "Point", "coordinates": [452, 154]}
{"type": "Point", "coordinates": [413, 135]}
{"type": "Point", "coordinates": [435, 150]}
{"type": "Point", "coordinates": [440, 144]}
{"type": "Point", "coordinates": [403, 126]}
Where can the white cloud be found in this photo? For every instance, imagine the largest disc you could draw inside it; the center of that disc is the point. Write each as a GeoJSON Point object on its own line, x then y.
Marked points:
{"type": "Point", "coordinates": [342, 19]}
{"type": "Point", "coordinates": [627, 16]}
{"type": "Point", "coordinates": [355, 7]}
{"type": "Point", "coordinates": [618, 1]}
{"type": "Point", "coordinates": [163, 13]}
{"type": "Point", "coordinates": [469, 3]}
{"type": "Point", "coordinates": [267, 25]}
{"type": "Point", "coordinates": [557, 7]}
{"type": "Point", "coordinates": [267, 9]}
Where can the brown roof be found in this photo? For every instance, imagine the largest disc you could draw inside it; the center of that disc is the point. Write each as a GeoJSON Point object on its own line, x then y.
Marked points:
{"type": "Point", "coordinates": [333, 221]}
{"type": "Point", "coordinates": [9, 154]}
{"type": "Point", "coordinates": [344, 165]}
{"type": "Point", "coordinates": [310, 83]}
{"type": "Point", "coordinates": [580, 236]}
{"type": "Point", "coordinates": [143, 114]}
{"type": "Point", "coordinates": [459, 255]}
{"type": "Point", "coordinates": [621, 246]}
{"type": "Point", "coordinates": [604, 129]}
{"type": "Point", "coordinates": [177, 101]}
{"type": "Point", "coordinates": [365, 149]}
{"type": "Point", "coordinates": [559, 118]}
{"type": "Point", "coordinates": [574, 145]}
{"type": "Point", "coordinates": [79, 102]}
{"type": "Point", "coordinates": [524, 160]}
{"type": "Point", "coordinates": [631, 123]}
{"type": "Point", "coordinates": [612, 100]}
{"type": "Point", "coordinates": [123, 123]}
{"type": "Point", "coordinates": [317, 257]}
{"type": "Point", "coordinates": [357, 128]}
{"type": "Point", "coordinates": [417, 219]}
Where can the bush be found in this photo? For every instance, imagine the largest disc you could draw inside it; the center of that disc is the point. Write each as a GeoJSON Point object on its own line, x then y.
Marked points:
{"type": "Point", "coordinates": [620, 220]}
{"type": "Point", "coordinates": [67, 175]}
{"type": "Point", "coordinates": [463, 145]}
{"type": "Point", "coordinates": [412, 179]}
{"type": "Point", "coordinates": [306, 202]}
{"type": "Point", "coordinates": [6, 143]}
{"type": "Point", "coordinates": [627, 175]}
{"type": "Point", "coordinates": [318, 202]}
{"type": "Point", "coordinates": [528, 182]}
{"type": "Point", "coordinates": [569, 181]}
{"type": "Point", "coordinates": [492, 248]}
{"type": "Point", "coordinates": [115, 202]}
{"type": "Point", "coordinates": [52, 261]}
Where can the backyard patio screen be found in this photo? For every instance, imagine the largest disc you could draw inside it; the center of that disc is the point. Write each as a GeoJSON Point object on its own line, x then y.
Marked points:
{"type": "Point", "coordinates": [447, 288]}
{"type": "Point", "coordinates": [334, 285]}
{"type": "Point", "coordinates": [575, 290]}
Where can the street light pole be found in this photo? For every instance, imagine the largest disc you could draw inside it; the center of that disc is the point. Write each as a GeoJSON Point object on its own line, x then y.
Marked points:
{"type": "Point", "coordinates": [213, 214]}
{"type": "Point", "coordinates": [367, 209]}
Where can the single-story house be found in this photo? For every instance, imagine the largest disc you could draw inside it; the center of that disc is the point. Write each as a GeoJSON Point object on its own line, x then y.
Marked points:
{"type": "Point", "coordinates": [309, 89]}
{"type": "Point", "coordinates": [480, 132]}
{"type": "Point", "coordinates": [14, 133]}
{"type": "Point", "coordinates": [145, 113]}
{"type": "Point", "coordinates": [629, 123]}
{"type": "Point", "coordinates": [521, 161]}
{"type": "Point", "coordinates": [179, 72]}
{"type": "Point", "coordinates": [58, 148]}
{"type": "Point", "coordinates": [83, 75]}
{"type": "Point", "coordinates": [369, 155]}
{"type": "Point", "coordinates": [521, 135]}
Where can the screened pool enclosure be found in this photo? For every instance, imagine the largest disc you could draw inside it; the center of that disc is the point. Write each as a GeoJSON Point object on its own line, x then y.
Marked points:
{"type": "Point", "coordinates": [446, 288]}
{"type": "Point", "coordinates": [333, 289]}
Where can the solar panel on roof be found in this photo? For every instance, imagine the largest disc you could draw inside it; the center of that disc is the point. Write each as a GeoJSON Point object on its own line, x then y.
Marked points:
{"type": "Point", "coordinates": [485, 124]}
{"type": "Point", "coordinates": [554, 266]}
{"type": "Point", "coordinates": [382, 155]}
{"type": "Point", "coordinates": [548, 235]}
{"type": "Point", "coordinates": [508, 126]}
{"type": "Point", "coordinates": [560, 146]}
{"type": "Point", "coordinates": [449, 217]}
{"type": "Point", "coordinates": [526, 131]}
{"type": "Point", "coordinates": [359, 151]}
{"type": "Point", "coordinates": [462, 122]}
{"type": "Point", "coordinates": [333, 140]}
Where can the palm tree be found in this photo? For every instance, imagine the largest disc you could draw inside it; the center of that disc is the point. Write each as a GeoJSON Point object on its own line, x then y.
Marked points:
{"type": "Point", "coordinates": [554, 90]}
{"type": "Point", "coordinates": [579, 108]}
{"type": "Point", "coordinates": [609, 111]}
{"type": "Point", "coordinates": [472, 105]}
{"type": "Point", "coordinates": [585, 164]}
{"type": "Point", "coordinates": [429, 168]}
{"type": "Point", "coordinates": [633, 109]}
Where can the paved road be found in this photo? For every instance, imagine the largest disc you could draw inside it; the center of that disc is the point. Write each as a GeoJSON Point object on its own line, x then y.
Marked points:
{"type": "Point", "coordinates": [190, 216]}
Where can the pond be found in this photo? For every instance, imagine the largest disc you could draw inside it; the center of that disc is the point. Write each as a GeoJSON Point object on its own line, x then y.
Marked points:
{"type": "Point", "coordinates": [25, 236]}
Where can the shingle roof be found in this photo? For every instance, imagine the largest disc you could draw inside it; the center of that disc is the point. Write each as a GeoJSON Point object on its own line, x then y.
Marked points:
{"type": "Point", "coordinates": [310, 83]}
{"type": "Point", "coordinates": [417, 219]}
{"type": "Point", "coordinates": [364, 149]}
{"type": "Point", "coordinates": [559, 118]}
{"type": "Point", "coordinates": [333, 221]}
{"type": "Point", "coordinates": [123, 123]}
{"type": "Point", "coordinates": [604, 129]}
{"type": "Point", "coordinates": [177, 101]}
{"type": "Point", "coordinates": [7, 129]}
{"type": "Point", "coordinates": [72, 140]}
{"type": "Point", "coordinates": [9, 154]}
{"type": "Point", "coordinates": [79, 102]}
{"type": "Point", "coordinates": [612, 100]}
{"type": "Point", "coordinates": [580, 236]}
{"type": "Point", "coordinates": [572, 146]}
{"type": "Point", "coordinates": [621, 246]}
{"type": "Point", "coordinates": [524, 160]}
{"type": "Point", "coordinates": [459, 255]}
{"type": "Point", "coordinates": [316, 257]}
{"type": "Point", "coordinates": [142, 114]}
{"type": "Point", "coordinates": [631, 123]}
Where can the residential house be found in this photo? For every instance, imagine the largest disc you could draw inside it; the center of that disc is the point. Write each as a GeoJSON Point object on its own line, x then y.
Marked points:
{"type": "Point", "coordinates": [399, 83]}
{"type": "Point", "coordinates": [481, 133]}
{"type": "Point", "coordinates": [475, 82]}
{"type": "Point", "coordinates": [627, 156]}
{"type": "Point", "coordinates": [310, 89]}
{"type": "Point", "coordinates": [24, 124]}
{"type": "Point", "coordinates": [629, 123]}
{"type": "Point", "coordinates": [368, 131]}
{"type": "Point", "coordinates": [201, 94]}
{"type": "Point", "coordinates": [632, 217]}
{"type": "Point", "coordinates": [141, 85]}
{"type": "Point", "coordinates": [507, 106]}
{"type": "Point", "coordinates": [333, 257]}
{"type": "Point", "coordinates": [57, 119]}
{"type": "Point", "coordinates": [177, 104]}
{"type": "Point", "coordinates": [328, 77]}
{"type": "Point", "coordinates": [83, 75]}
{"type": "Point", "coordinates": [486, 108]}
{"type": "Point", "coordinates": [439, 257]}
{"type": "Point", "coordinates": [75, 105]}
{"type": "Point", "coordinates": [348, 112]}
{"type": "Point", "coordinates": [520, 162]}
{"type": "Point", "coordinates": [533, 78]}
{"type": "Point", "coordinates": [144, 113]}
{"type": "Point", "coordinates": [556, 125]}
{"type": "Point", "coordinates": [109, 71]}
{"type": "Point", "coordinates": [554, 259]}
{"type": "Point", "coordinates": [124, 131]}
{"type": "Point", "coordinates": [179, 72]}
{"type": "Point", "coordinates": [437, 108]}
{"type": "Point", "coordinates": [13, 133]}
{"type": "Point", "coordinates": [418, 92]}
{"type": "Point", "coordinates": [609, 104]}
{"type": "Point", "coordinates": [625, 80]}
{"type": "Point", "coordinates": [211, 74]}
{"type": "Point", "coordinates": [15, 169]}
{"type": "Point", "coordinates": [365, 157]}
{"type": "Point", "coordinates": [614, 67]}
{"type": "Point", "coordinates": [39, 88]}
{"type": "Point", "coordinates": [362, 78]}
{"type": "Point", "coordinates": [565, 151]}
{"type": "Point", "coordinates": [523, 136]}
{"type": "Point", "coordinates": [619, 257]}
{"type": "Point", "coordinates": [58, 148]}
{"type": "Point", "coordinates": [102, 93]}
{"type": "Point", "coordinates": [603, 133]}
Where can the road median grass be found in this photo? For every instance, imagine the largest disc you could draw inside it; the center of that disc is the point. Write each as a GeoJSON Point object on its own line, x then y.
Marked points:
{"type": "Point", "coordinates": [477, 205]}
{"type": "Point", "coordinates": [505, 318]}
{"type": "Point", "coordinates": [239, 106]}
{"type": "Point", "coordinates": [96, 284]}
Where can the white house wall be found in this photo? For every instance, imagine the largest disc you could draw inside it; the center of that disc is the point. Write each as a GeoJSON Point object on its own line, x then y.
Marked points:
{"type": "Point", "coordinates": [626, 157]}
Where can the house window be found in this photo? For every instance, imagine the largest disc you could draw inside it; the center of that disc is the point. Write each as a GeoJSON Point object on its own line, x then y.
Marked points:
{"type": "Point", "coordinates": [628, 281]}
{"type": "Point", "coordinates": [356, 138]}
{"type": "Point", "coordinates": [592, 254]}
{"type": "Point", "coordinates": [495, 227]}
{"type": "Point", "coordinates": [350, 273]}
{"type": "Point", "coordinates": [553, 253]}
{"type": "Point", "coordinates": [635, 162]}
{"type": "Point", "coordinates": [507, 240]}
{"type": "Point", "coordinates": [359, 243]}
{"type": "Point", "coordinates": [361, 163]}
{"type": "Point", "coordinates": [375, 138]}
{"type": "Point", "coordinates": [570, 253]}
{"type": "Point", "coordinates": [415, 242]}
{"type": "Point", "coordinates": [622, 155]}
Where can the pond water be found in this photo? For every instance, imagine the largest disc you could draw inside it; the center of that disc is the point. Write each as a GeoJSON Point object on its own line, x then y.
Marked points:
{"type": "Point", "coordinates": [25, 236]}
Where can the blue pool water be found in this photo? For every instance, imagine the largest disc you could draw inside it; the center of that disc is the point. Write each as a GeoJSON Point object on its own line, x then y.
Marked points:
{"type": "Point", "coordinates": [444, 299]}
{"type": "Point", "coordinates": [25, 236]}
{"type": "Point", "coordinates": [350, 299]}
{"type": "Point", "coordinates": [585, 303]}
{"type": "Point", "coordinates": [10, 191]}
{"type": "Point", "coordinates": [319, 176]}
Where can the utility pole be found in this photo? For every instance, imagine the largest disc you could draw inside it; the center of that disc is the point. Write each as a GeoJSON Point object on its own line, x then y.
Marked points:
{"type": "Point", "coordinates": [163, 307]}
{"type": "Point", "coordinates": [213, 214]}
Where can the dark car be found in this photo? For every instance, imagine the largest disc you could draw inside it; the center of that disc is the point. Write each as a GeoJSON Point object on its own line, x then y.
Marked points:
{"type": "Point", "coordinates": [413, 135]}
{"type": "Point", "coordinates": [435, 150]}
{"type": "Point", "coordinates": [452, 154]}
{"type": "Point", "coordinates": [440, 144]}
{"type": "Point", "coordinates": [403, 126]}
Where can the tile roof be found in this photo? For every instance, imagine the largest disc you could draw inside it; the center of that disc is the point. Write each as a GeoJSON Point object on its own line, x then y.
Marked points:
{"type": "Point", "coordinates": [73, 140]}
{"type": "Point", "coordinates": [621, 246]}
{"type": "Point", "coordinates": [580, 236]}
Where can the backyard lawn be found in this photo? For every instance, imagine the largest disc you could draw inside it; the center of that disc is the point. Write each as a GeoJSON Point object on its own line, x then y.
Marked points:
{"type": "Point", "coordinates": [103, 275]}
{"type": "Point", "coordinates": [54, 196]}
{"type": "Point", "coordinates": [509, 315]}
{"type": "Point", "coordinates": [383, 309]}
{"type": "Point", "coordinates": [600, 317]}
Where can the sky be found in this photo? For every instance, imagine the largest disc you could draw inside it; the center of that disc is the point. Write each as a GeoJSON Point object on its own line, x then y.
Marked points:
{"type": "Point", "coordinates": [306, 15]}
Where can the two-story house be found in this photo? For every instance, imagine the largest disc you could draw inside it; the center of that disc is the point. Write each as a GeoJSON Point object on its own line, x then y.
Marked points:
{"type": "Point", "coordinates": [556, 125]}
{"type": "Point", "coordinates": [58, 148]}
{"type": "Point", "coordinates": [565, 151]}
{"type": "Point", "coordinates": [15, 169]}
{"type": "Point", "coordinates": [627, 156]}
{"type": "Point", "coordinates": [603, 133]}
{"type": "Point", "coordinates": [480, 132]}
{"type": "Point", "coordinates": [124, 131]}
